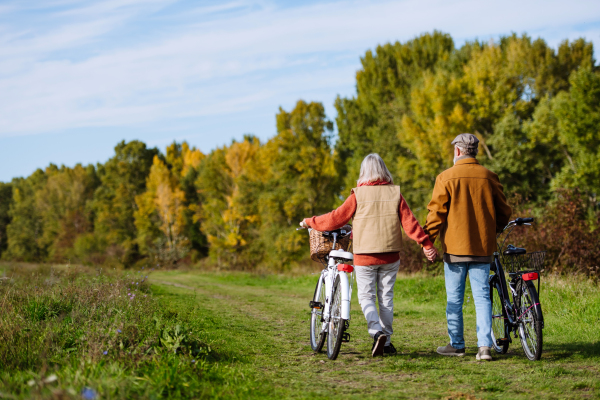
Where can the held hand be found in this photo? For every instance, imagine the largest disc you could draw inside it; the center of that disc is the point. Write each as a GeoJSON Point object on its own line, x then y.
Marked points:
{"type": "Point", "coordinates": [431, 254]}
{"type": "Point", "coordinates": [303, 224]}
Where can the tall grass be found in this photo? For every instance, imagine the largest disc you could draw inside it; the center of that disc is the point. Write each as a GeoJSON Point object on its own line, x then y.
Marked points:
{"type": "Point", "coordinates": [70, 332]}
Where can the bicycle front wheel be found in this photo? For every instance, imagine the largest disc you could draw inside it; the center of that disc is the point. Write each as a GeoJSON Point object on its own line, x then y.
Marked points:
{"type": "Point", "coordinates": [337, 325]}
{"type": "Point", "coordinates": [530, 322]}
{"type": "Point", "coordinates": [317, 333]}
{"type": "Point", "coordinates": [499, 335]}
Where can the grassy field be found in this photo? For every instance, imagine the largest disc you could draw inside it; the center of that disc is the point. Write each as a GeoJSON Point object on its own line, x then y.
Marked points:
{"type": "Point", "coordinates": [246, 336]}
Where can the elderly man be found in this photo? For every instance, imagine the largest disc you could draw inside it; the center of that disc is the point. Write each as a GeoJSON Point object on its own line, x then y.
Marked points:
{"type": "Point", "coordinates": [467, 208]}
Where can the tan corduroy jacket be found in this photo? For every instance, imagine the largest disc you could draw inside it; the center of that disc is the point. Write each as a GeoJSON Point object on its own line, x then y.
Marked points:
{"type": "Point", "coordinates": [376, 225]}
{"type": "Point", "coordinates": [467, 208]}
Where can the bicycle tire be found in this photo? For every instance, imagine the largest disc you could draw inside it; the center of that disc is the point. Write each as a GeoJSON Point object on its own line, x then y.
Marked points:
{"type": "Point", "coordinates": [317, 336]}
{"type": "Point", "coordinates": [530, 322]}
{"type": "Point", "coordinates": [337, 325]}
{"type": "Point", "coordinates": [498, 316]}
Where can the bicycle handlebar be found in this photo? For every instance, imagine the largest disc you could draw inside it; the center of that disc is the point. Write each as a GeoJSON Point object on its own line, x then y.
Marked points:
{"type": "Point", "coordinates": [519, 221]}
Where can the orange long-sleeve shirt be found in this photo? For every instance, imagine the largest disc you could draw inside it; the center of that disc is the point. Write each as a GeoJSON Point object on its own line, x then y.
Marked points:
{"type": "Point", "coordinates": [343, 214]}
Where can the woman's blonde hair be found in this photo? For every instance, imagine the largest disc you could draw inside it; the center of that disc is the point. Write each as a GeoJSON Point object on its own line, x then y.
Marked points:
{"type": "Point", "coordinates": [373, 169]}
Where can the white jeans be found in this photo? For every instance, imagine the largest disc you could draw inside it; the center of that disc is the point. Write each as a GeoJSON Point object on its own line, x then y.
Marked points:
{"type": "Point", "coordinates": [380, 280]}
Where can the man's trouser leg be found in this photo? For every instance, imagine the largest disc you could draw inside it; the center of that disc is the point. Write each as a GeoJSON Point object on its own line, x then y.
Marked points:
{"type": "Point", "coordinates": [479, 275]}
{"type": "Point", "coordinates": [372, 282]}
{"type": "Point", "coordinates": [455, 276]}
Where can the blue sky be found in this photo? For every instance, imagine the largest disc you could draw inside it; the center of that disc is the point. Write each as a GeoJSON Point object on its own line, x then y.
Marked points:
{"type": "Point", "coordinates": [76, 77]}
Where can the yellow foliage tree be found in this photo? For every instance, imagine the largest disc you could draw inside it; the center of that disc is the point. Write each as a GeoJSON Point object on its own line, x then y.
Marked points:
{"type": "Point", "coordinates": [160, 215]}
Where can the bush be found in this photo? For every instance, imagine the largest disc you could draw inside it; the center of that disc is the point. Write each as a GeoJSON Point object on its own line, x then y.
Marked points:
{"type": "Point", "coordinates": [566, 229]}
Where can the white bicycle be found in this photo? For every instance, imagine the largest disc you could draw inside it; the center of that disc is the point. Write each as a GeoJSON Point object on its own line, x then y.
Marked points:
{"type": "Point", "coordinates": [330, 306]}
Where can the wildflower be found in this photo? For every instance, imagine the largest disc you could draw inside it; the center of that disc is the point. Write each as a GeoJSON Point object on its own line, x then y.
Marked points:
{"type": "Point", "coordinates": [118, 330]}
{"type": "Point", "coordinates": [105, 352]}
{"type": "Point", "coordinates": [137, 283]}
{"type": "Point", "coordinates": [193, 361]}
{"type": "Point", "coordinates": [88, 393]}
{"type": "Point", "coordinates": [128, 294]}
{"type": "Point", "coordinates": [144, 295]}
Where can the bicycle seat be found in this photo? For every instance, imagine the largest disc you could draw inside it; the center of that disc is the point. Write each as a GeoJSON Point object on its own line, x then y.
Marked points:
{"type": "Point", "coordinates": [342, 255]}
{"type": "Point", "coordinates": [512, 250]}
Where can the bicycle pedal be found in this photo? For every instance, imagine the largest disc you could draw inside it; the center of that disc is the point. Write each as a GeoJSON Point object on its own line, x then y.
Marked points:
{"type": "Point", "coordinates": [500, 342]}
{"type": "Point", "coordinates": [315, 304]}
{"type": "Point", "coordinates": [345, 337]}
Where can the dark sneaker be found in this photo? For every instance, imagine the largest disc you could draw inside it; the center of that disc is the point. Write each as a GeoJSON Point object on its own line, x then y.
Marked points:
{"type": "Point", "coordinates": [484, 354]}
{"type": "Point", "coordinates": [378, 344]}
{"type": "Point", "coordinates": [389, 349]}
{"type": "Point", "coordinates": [450, 351]}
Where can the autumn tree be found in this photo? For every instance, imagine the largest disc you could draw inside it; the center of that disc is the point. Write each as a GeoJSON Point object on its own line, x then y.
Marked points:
{"type": "Point", "coordinates": [228, 211]}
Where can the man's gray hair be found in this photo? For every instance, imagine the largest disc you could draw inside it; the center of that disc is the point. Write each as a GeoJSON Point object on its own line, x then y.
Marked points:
{"type": "Point", "coordinates": [373, 169]}
{"type": "Point", "coordinates": [466, 151]}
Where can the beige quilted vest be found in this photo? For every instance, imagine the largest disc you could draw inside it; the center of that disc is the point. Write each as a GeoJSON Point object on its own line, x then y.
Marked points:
{"type": "Point", "coordinates": [376, 225]}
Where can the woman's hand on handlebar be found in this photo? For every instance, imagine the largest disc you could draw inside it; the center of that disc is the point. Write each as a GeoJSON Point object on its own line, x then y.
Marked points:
{"type": "Point", "coordinates": [304, 225]}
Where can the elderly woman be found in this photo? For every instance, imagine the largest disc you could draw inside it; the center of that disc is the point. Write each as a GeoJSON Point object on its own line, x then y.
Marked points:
{"type": "Point", "coordinates": [379, 212]}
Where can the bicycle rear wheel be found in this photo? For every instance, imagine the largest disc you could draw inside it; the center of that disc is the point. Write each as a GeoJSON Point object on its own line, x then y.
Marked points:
{"type": "Point", "coordinates": [317, 334]}
{"type": "Point", "coordinates": [530, 322]}
{"type": "Point", "coordinates": [337, 325]}
{"type": "Point", "coordinates": [499, 335]}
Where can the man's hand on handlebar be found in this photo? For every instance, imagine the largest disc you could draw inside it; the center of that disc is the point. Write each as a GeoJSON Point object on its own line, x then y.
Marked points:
{"type": "Point", "coordinates": [304, 225]}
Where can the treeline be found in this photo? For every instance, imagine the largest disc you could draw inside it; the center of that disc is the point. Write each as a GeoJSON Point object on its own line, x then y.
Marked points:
{"type": "Point", "coordinates": [536, 111]}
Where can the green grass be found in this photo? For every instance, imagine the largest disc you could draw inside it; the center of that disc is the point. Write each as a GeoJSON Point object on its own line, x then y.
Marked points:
{"type": "Point", "coordinates": [250, 333]}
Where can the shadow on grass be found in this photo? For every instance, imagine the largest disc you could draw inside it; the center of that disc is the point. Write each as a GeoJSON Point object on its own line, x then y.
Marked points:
{"type": "Point", "coordinates": [572, 350]}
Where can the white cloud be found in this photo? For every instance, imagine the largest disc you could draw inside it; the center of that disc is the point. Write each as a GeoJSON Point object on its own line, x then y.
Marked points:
{"type": "Point", "coordinates": [93, 69]}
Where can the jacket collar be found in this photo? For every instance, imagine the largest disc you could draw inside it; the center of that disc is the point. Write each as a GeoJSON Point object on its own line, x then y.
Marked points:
{"type": "Point", "coordinates": [374, 183]}
{"type": "Point", "coordinates": [467, 161]}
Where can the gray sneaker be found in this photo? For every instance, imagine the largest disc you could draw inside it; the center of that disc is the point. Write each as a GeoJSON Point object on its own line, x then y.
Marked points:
{"type": "Point", "coordinates": [484, 354]}
{"type": "Point", "coordinates": [450, 351]}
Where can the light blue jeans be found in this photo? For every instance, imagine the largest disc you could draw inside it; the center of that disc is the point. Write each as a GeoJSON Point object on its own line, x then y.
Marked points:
{"type": "Point", "coordinates": [456, 276]}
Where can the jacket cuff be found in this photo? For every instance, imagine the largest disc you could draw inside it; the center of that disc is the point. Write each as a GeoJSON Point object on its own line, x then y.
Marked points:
{"type": "Point", "coordinates": [427, 244]}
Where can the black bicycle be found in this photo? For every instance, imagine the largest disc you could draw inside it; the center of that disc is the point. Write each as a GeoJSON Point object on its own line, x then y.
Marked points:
{"type": "Point", "coordinates": [522, 316]}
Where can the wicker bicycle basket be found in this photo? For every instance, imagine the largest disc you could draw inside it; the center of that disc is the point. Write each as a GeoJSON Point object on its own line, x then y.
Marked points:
{"type": "Point", "coordinates": [320, 245]}
{"type": "Point", "coordinates": [524, 262]}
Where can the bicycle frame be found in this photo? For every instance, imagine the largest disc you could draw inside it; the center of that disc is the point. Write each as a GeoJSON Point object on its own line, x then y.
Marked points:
{"type": "Point", "coordinates": [329, 276]}
{"type": "Point", "coordinates": [511, 310]}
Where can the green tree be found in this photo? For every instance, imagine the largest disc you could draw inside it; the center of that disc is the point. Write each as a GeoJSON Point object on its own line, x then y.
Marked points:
{"type": "Point", "coordinates": [63, 205]}
{"type": "Point", "coordinates": [122, 178]}
{"type": "Point", "coordinates": [25, 230]}
{"type": "Point", "coordinates": [300, 179]}
{"type": "Point", "coordinates": [384, 85]}
{"type": "Point", "coordinates": [5, 201]}
{"type": "Point", "coordinates": [578, 122]}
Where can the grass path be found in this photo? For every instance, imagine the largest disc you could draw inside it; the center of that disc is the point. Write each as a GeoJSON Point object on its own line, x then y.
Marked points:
{"type": "Point", "coordinates": [259, 326]}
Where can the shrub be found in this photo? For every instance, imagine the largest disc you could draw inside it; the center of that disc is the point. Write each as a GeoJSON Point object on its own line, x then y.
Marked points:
{"type": "Point", "coordinates": [566, 229]}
